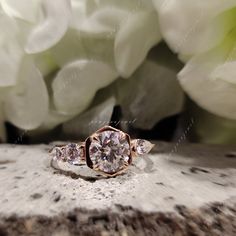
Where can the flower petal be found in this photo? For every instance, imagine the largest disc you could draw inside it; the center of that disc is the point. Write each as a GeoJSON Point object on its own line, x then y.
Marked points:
{"type": "Point", "coordinates": [9, 28]}
{"type": "Point", "coordinates": [215, 95]}
{"type": "Point", "coordinates": [76, 45]}
{"type": "Point", "coordinates": [132, 5]}
{"type": "Point", "coordinates": [23, 9]}
{"type": "Point", "coordinates": [79, 11]}
{"type": "Point", "coordinates": [52, 28]}
{"type": "Point", "coordinates": [76, 84]}
{"type": "Point", "coordinates": [91, 120]}
{"type": "Point", "coordinates": [10, 59]}
{"type": "Point", "coordinates": [26, 104]}
{"type": "Point", "coordinates": [104, 21]}
{"type": "Point", "coordinates": [137, 35]}
{"type": "Point", "coordinates": [226, 72]}
{"type": "Point", "coordinates": [191, 27]}
{"type": "Point", "coordinates": [45, 62]}
{"type": "Point", "coordinates": [10, 51]}
{"type": "Point", "coordinates": [153, 92]}
{"type": "Point", "coordinates": [53, 119]}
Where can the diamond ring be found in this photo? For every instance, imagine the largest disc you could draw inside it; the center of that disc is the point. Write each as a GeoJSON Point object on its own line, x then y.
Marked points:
{"type": "Point", "coordinates": [108, 151]}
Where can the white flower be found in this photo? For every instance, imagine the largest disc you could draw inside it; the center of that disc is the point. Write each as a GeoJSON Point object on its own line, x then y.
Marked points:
{"type": "Point", "coordinates": [148, 96]}
{"type": "Point", "coordinates": [133, 25]}
{"type": "Point", "coordinates": [204, 34]}
{"type": "Point", "coordinates": [25, 100]}
{"type": "Point", "coordinates": [55, 55]}
{"type": "Point", "coordinates": [47, 21]}
{"type": "Point", "coordinates": [153, 91]}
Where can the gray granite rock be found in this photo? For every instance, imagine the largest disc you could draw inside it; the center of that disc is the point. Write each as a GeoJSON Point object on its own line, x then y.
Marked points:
{"type": "Point", "coordinates": [172, 178]}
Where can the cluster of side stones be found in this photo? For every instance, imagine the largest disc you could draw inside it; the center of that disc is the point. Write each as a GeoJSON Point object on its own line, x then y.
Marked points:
{"type": "Point", "coordinates": [110, 151]}
{"type": "Point", "coordinates": [72, 153]}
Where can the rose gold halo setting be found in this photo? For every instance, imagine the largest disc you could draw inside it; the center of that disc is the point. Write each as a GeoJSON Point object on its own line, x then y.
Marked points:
{"type": "Point", "coordinates": [108, 151]}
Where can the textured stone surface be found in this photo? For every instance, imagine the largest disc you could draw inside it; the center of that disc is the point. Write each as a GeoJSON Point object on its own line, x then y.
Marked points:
{"type": "Point", "coordinates": [181, 189]}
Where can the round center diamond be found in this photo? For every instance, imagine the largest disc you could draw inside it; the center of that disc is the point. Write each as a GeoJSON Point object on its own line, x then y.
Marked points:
{"type": "Point", "coordinates": [109, 151]}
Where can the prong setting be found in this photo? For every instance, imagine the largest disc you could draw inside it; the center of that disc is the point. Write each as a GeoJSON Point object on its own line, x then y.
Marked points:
{"type": "Point", "coordinates": [108, 151]}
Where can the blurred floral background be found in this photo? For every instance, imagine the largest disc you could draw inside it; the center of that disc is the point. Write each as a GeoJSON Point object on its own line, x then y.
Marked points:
{"type": "Point", "coordinates": [161, 69]}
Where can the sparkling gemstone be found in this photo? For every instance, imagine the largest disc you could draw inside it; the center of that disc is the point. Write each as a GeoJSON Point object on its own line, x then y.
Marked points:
{"type": "Point", "coordinates": [143, 146]}
{"type": "Point", "coordinates": [58, 153]}
{"type": "Point", "coordinates": [73, 153]}
{"type": "Point", "coordinates": [110, 151]}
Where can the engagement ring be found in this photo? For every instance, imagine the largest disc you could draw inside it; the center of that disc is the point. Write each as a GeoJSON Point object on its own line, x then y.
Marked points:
{"type": "Point", "coordinates": [108, 151]}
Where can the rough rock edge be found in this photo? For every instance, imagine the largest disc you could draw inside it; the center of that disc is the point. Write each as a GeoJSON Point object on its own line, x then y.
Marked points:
{"type": "Point", "coordinates": [214, 219]}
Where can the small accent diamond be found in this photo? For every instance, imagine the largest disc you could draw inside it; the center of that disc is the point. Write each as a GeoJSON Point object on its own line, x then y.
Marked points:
{"type": "Point", "coordinates": [58, 153]}
{"type": "Point", "coordinates": [142, 146]}
{"type": "Point", "coordinates": [73, 153]}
